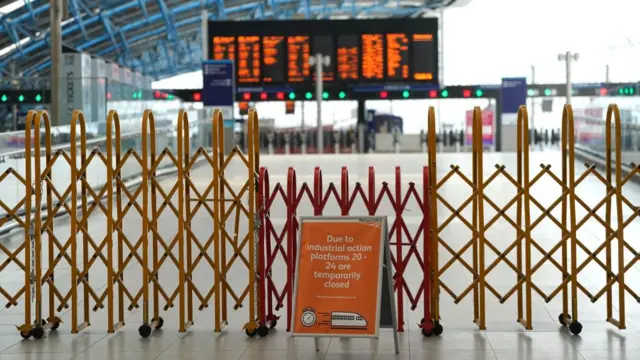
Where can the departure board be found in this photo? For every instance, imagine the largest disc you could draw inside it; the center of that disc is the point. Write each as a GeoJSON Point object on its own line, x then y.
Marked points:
{"type": "Point", "coordinates": [397, 57]}
{"type": "Point", "coordinates": [224, 48]}
{"type": "Point", "coordinates": [424, 64]}
{"type": "Point", "coordinates": [324, 46]}
{"type": "Point", "coordinates": [372, 57]}
{"type": "Point", "coordinates": [274, 59]}
{"type": "Point", "coordinates": [298, 53]}
{"type": "Point", "coordinates": [249, 57]}
{"type": "Point", "coordinates": [348, 58]}
{"type": "Point", "coordinates": [370, 52]}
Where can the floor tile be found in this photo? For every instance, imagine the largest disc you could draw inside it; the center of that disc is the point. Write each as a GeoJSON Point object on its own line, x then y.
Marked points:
{"type": "Point", "coordinates": [283, 355]}
{"type": "Point", "coordinates": [467, 340]}
{"type": "Point", "coordinates": [448, 354]}
{"type": "Point", "coordinates": [130, 341]}
{"type": "Point", "coordinates": [611, 354]}
{"type": "Point", "coordinates": [38, 356]}
{"type": "Point", "coordinates": [116, 355]}
{"type": "Point", "coordinates": [368, 355]}
{"type": "Point", "coordinates": [56, 343]}
{"type": "Point", "coordinates": [528, 340]}
{"type": "Point", "coordinates": [208, 342]}
{"type": "Point", "coordinates": [384, 342]}
{"type": "Point", "coordinates": [284, 341]}
{"type": "Point", "coordinates": [565, 353]}
{"type": "Point", "coordinates": [218, 355]}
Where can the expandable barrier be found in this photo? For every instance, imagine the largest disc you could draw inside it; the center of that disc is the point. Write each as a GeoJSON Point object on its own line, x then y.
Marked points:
{"type": "Point", "coordinates": [128, 266]}
{"type": "Point", "coordinates": [569, 265]}
{"type": "Point", "coordinates": [115, 254]}
{"type": "Point", "coordinates": [279, 243]}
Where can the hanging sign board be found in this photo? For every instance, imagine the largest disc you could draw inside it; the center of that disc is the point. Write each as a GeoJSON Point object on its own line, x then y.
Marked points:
{"type": "Point", "coordinates": [218, 83]}
{"type": "Point", "coordinates": [342, 275]}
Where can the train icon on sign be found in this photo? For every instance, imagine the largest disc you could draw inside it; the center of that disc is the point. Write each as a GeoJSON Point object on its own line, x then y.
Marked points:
{"type": "Point", "coordinates": [347, 320]}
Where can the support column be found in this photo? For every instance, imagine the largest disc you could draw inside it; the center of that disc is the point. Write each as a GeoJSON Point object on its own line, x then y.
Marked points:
{"type": "Point", "coordinates": [55, 13]}
{"type": "Point", "coordinates": [319, 89]}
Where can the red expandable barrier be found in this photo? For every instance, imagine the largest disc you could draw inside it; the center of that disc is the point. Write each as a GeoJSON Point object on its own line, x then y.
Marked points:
{"type": "Point", "coordinates": [280, 244]}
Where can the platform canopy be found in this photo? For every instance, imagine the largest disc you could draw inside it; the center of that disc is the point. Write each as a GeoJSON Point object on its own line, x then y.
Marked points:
{"type": "Point", "coordinates": [160, 37]}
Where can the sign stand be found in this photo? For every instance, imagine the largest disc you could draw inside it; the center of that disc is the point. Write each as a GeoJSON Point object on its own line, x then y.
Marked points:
{"type": "Point", "coordinates": [344, 280]}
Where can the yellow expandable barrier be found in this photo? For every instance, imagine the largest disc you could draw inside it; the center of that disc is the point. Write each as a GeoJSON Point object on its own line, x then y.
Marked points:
{"type": "Point", "coordinates": [568, 244]}
{"type": "Point", "coordinates": [130, 252]}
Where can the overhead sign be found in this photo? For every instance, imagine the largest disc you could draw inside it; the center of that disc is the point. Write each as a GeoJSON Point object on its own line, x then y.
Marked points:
{"type": "Point", "coordinates": [514, 95]}
{"type": "Point", "coordinates": [218, 83]}
{"type": "Point", "coordinates": [341, 279]}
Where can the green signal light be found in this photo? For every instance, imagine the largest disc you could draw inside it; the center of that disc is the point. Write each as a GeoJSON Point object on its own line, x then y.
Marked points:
{"type": "Point", "coordinates": [342, 95]}
{"type": "Point", "coordinates": [308, 95]}
{"type": "Point", "coordinates": [170, 97]}
{"type": "Point", "coordinates": [445, 93]}
{"type": "Point", "coordinates": [38, 98]}
{"type": "Point", "coordinates": [4, 98]}
{"type": "Point", "coordinates": [531, 92]}
{"type": "Point", "coordinates": [547, 92]}
{"type": "Point", "coordinates": [405, 94]}
{"type": "Point", "coordinates": [479, 92]}
{"type": "Point", "coordinates": [21, 98]}
{"type": "Point", "coordinates": [325, 95]}
{"type": "Point", "coordinates": [292, 96]}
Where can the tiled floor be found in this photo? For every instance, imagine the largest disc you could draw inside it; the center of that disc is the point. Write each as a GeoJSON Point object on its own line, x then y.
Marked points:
{"type": "Point", "coordinates": [233, 345]}
{"type": "Point", "coordinates": [503, 339]}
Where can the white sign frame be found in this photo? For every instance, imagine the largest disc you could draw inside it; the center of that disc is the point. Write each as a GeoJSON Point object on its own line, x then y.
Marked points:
{"type": "Point", "coordinates": [385, 257]}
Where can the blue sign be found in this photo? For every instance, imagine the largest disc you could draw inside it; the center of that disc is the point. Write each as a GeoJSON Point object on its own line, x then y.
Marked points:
{"type": "Point", "coordinates": [514, 94]}
{"type": "Point", "coordinates": [218, 83]}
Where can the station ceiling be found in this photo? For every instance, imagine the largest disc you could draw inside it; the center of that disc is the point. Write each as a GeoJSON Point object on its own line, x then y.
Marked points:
{"type": "Point", "coordinates": [160, 38]}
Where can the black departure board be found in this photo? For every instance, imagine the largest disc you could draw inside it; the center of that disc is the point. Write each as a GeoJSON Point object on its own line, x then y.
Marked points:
{"type": "Point", "coordinates": [298, 52]}
{"type": "Point", "coordinates": [372, 57]}
{"type": "Point", "coordinates": [325, 45]}
{"type": "Point", "coordinates": [274, 59]}
{"type": "Point", "coordinates": [249, 64]}
{"type": "Point", "coordinates": [374, 51]}
{"type": "Point", "coordinates": [348, 58]}
{"type": "Point", "coordinates": [397, 57]}
{"type": "Point", "coordinates": [424, 65]}
{"type": "Point", "coordinates": [224, 48]}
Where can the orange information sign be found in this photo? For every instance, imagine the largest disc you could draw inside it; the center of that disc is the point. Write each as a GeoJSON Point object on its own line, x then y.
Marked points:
{"type": "Point", "coordinates": [340, 277]}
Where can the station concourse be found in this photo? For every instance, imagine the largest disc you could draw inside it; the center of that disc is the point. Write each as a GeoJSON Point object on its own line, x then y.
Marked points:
{"type": "Point", "coordinates": [503, 338]}
{"type": "Point", "coordinates": [161, 164]}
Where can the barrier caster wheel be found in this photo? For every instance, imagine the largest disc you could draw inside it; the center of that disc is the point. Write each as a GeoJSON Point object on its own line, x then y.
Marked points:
{"type": "Point", "coordinates": [55, 324]}
{"type": "Point", "coordinates": [250, 333]}
{"type": "Point", "coordinates": [25, 334]}
{"type": "Point", "coordinates": [263, 331]}
{"type": "Point", "coordinates": [160, 322]}
{"type": "Point", "coordinates": [564, 320]}
{"type": "Point", "coordinates": [427, 333]}
{"type": "Point", "coordinates": [37, 332]}
{"type": "Point", "coordinates": [575, 328]}
{"type": "Point", "coordinates": [144, 330]}
{"type": "Point", "coordinates": [437, 329]}
{"type": "Point", "coordinates": [273, 324]}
